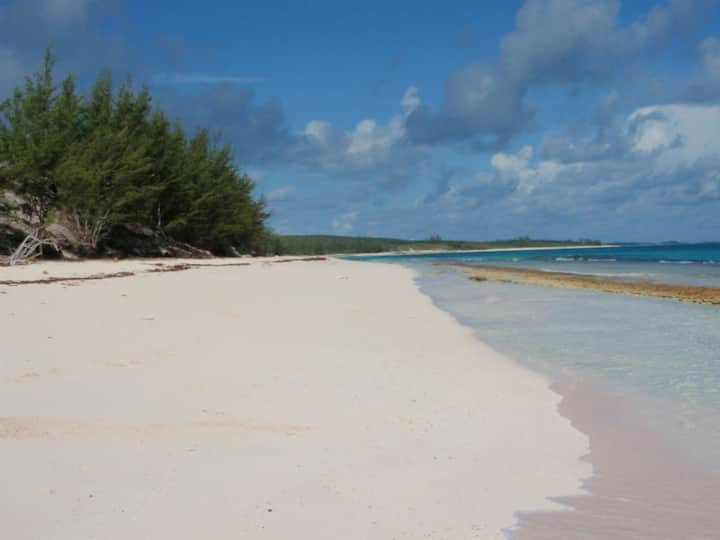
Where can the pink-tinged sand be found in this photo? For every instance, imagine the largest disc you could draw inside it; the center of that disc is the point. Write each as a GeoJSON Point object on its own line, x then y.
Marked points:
{"type": "Point", "coordinates": [647, 484]}
{"type": "Point", "coordinates": [318, 400]}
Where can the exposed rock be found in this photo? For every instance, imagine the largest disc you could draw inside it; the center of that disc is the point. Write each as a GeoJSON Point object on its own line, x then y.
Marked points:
{"type": "Point", "coordinates": [674, 291]}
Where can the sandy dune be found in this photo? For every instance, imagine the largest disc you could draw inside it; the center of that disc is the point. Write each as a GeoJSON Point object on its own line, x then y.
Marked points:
{"type": "Point", "coordinates": [319, 400]}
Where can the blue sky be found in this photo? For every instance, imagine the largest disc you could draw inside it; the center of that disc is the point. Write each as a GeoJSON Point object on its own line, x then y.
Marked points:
{"type": "Point", "coordinates": [549, 118]}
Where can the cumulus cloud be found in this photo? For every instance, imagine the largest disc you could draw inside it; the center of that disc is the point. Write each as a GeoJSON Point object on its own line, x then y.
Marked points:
{"type": "Point", "coordinates": [664, 185]}
{"type": "Point", "coordinates": [554, 41]}
{"type": "Point", "coordinates": [369, 148]}
{"type": "Point", "coordinates": [670, 167]}
{"type": "Point", "coordinates": [373, 151]}
{"type": "Point", "coordinates": [481, 101]}
{"type": "Point", "coordinates": [675, 137]}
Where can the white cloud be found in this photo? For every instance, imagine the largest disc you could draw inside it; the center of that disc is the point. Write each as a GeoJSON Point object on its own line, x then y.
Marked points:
{"type": "Point", "coordinates": [410, 100]}
{"type": "Point", "coordinates": [668, 171]}
{"type": "Point", "coordinates": [319, 132]}
{"type": "Point", "coordinates": [512, 163]}
{"type": "Point", "coordinates": [368, 140]}
{"type": "Point", "coordinates": [344, 223]}
{"type": "Point", "coordinates": [370, 146]}
{"type": "Point", "coordinates": [681, 136]}
{"type": "Point", "coordinates": [554, 41]}
{"type": "Point", "coordinates": [279, 194]}
{"type": "Point", "coordinates": [655, 133]}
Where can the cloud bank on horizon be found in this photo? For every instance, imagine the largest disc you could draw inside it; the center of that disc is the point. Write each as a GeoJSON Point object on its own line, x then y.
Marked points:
{"type": "Point", "coordinates": [553, 118]}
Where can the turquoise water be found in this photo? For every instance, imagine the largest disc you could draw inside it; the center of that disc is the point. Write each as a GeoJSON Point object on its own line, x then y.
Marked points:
{"type": "Point", "coordinates": [697, 264]}
{"type": "Point", "coordinates": [662, 350]}
{"type": "Point", "coordinates": [680, 253]}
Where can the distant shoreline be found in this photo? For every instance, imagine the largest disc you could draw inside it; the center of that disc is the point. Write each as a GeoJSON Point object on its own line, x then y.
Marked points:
{"type": "Point", "coordinates": [488, 250]}
{"type": "Point", "coordinates": [5, 264]}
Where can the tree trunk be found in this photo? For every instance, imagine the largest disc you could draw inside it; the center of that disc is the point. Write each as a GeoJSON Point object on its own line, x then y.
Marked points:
{"type": "Point", "coordinates": [30, 247]}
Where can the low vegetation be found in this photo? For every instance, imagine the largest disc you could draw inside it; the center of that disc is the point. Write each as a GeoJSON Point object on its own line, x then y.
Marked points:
{"type": "Point", "coordinates": [318, 244]}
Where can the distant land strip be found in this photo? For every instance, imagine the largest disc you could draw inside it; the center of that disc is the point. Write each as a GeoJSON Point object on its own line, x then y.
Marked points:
{"type": "Point", "coordinates": [684, 293]}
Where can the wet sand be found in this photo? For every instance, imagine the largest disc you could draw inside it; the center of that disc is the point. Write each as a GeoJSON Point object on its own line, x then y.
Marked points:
{"type": "Point", "coordinates": [683, 293]}
{"type": "Point", "coordinates": [644, 487]}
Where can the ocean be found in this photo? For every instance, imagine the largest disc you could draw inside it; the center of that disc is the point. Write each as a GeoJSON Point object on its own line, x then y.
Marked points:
{"type": "Point", "coordinates": [696, 264]}
{"type": "Point", "coordinates": [663, 355]}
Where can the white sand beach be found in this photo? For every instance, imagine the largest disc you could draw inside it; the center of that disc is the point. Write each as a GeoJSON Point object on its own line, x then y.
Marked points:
{"type": "Point", "coordinates": [319, 400]}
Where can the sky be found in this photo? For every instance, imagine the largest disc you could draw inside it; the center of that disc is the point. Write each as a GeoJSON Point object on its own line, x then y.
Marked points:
{"type": "Point", "coordinates": [558, 119]}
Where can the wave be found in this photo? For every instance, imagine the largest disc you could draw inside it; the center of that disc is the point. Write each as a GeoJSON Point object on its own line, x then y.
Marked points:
{"type": "Point", "coordinates": [637, 275]}
{"type": "Point", "coordinates": [583, 259]}
{"type": "Point", "coordinates": [662, 261]}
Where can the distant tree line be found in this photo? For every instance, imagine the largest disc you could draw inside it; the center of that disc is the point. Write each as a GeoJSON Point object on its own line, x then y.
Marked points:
{"type": "Point", "coordinates": [323, 244]}
{"type": "Point", "coordinates": [108, 163]}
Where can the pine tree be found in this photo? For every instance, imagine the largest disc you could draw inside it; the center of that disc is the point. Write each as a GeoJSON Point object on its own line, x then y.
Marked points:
{"type": "Point", "coordinates": [167, 152]}
{"type": "Point", "coordinates": [101, 176]}
{"type": "Point", "coordinates": [34, 142]}
{"type": "Point", "coordinates": [218, 212]}
{"type": "Point", "coordinates": [34, 145]}
{"type": "Point", "coordinates": [110, 161]}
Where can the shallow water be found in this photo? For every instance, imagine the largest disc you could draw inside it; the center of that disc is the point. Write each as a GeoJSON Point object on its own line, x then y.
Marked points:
{"type": "Point", "coordinates": [648, 370]}
{"type": "Point", "coordinates": [667, 348]}
{"type": "Point", "coordinates": [694, 265]}
{"type": "Point", "coordinates": [662, 350]}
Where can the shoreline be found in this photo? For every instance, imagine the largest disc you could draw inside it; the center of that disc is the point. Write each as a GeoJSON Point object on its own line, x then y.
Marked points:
{"type": "Point", "coordinates": [262, 400]}
{"type": "Point", "coordinates": [695, 294]}
{"type": "Point", "coordinates": [643, 486]}
{"type": "Point", "coordinates": [655, 474]}
{"type": "Point", "coordinates": [461, 251]}
{"type": "Point", "coordinates": [347, 256]}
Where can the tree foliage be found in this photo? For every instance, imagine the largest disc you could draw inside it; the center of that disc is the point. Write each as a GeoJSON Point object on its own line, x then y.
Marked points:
{"type": "Point", "coordinates": [324, 244]}
{"type": "Point", "coordinates": [110, 159]}
{"type": "Point", "coordinates": [32, 144]}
